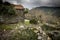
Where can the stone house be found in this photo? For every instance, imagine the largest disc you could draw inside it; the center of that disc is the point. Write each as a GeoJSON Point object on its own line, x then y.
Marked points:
{"type": "Point", "coordinates": [19, 9]}
{"type": "Point", "coordinates": [14, 19]}
{"type": "Point", "coordinates": [20, 12]}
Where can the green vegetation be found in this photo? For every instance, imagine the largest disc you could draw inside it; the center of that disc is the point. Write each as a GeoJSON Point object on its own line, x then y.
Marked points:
{"type": "Point", "coordinates": [19, 34]}
{"type": "Point", "coordinates": [7, 26]}
{"type": "Point", "coordinates": [33, 21]}
{"type": "Point", "coordinates": [27, 22]}
{"type": "Point", "coordinates": [1, 2]}
{"type": "Point", "coordinates": [6, 9]}
{"type": "Point", "coordinates": [26, 34]}
{"type": "Point", "coordinates": [26, 30]}
{"type": "Point", "coordinates": [26, 10]}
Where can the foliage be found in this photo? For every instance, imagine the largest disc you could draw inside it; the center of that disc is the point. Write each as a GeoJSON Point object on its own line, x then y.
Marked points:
{"type": "Point", "coordinates": [26, 34]}
{"type": "Point", "coordinates": [26, 10]}
{"type": "Point", "coordinates": [33, 21]}
{"type": "Point", "coordinates": [27, 22]}
{"type": "Point", "coordinates": [1, 2]}
{"type": "Point", "coordinates": [7, 10]}
{"type": "Point", "coordinates": [7, 26]}
{"type": "Point", "coordinates": [7, 3]}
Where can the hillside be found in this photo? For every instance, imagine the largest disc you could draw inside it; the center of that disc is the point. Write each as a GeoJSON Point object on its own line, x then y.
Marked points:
{"type": "Point", "coordinates": [49, 10]}
{"type": "Point", "coordinates": [46, 24]}
{"type": "Point", "coordinates": [46, 14]}
{"type": "Point", "coordinates": [49, 17]}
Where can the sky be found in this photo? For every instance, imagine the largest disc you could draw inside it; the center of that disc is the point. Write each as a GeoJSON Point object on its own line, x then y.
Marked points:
{"type": "Point", "coordinates": [35, 3]}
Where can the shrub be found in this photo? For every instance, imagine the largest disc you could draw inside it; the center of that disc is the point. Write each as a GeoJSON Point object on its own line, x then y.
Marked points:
{"type": "Point", "coordinates": [26, 34]}
{"type": "Point", "coordinates": [7, 10]}
{"type": "Point", "coordinates": [26, 10]}
{"type": "Point", "coordinates": [33, 21]}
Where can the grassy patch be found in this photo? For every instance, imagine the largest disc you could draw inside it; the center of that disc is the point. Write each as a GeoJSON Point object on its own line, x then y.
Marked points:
{"type": "Point", "coordinates": [7, 26]}
{"type": "Point", "coordinates": [27, 22]}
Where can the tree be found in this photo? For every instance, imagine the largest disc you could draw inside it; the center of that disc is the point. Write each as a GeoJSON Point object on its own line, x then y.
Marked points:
{"type": "Point", "coordinates": [1, 1]}
{"type": "Point", "coordinates": [6, 3]}
{"type": "Point", "coordinates": [7, 9]}
{"type": "Point", "coordinates": [33, 21]}
{"type": "Point", "coordinates": [26, 10]}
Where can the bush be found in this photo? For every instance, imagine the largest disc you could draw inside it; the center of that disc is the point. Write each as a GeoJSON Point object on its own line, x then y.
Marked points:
{"type": "Point", "coordinates": [26, 34]}
{"type": "Point", "coordinates": [7, 10]}
{"type": "Point", "coordinates": [33, 21]}
{"type": "Point", "coordinates": [26, 10]}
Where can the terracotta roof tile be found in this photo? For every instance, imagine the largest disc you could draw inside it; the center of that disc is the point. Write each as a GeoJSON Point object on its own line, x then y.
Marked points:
{"type": "Point", "coordinates": [18, 7]}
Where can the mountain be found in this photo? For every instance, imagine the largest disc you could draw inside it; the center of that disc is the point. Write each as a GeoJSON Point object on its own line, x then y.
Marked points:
{"type": "Point", "coordinates": [45, 14]}
{"type": "Point", "coordinates": [49, 17]}
{"type": "Point", "coordinates": [55, 11]}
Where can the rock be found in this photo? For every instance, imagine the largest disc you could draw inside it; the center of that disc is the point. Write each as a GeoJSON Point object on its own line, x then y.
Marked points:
{"type": "Point", "coordinates": [54, 35]}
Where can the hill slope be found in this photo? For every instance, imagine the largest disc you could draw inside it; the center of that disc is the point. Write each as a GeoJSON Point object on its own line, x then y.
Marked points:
{"type": "Point", "coordinates": [49, 15]}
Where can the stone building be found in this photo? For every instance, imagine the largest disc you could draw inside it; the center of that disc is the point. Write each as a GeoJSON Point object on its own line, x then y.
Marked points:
{"type": "Point", "coordinates": [19, 12]}
{"type": "Point", "coordinates": [14, 19]}
{"type": "Point", "coordinates": [19, 9]}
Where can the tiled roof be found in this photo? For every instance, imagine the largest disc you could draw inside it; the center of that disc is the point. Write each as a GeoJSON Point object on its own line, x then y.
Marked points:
{"type": "Point", "coordinates": [18, 7]}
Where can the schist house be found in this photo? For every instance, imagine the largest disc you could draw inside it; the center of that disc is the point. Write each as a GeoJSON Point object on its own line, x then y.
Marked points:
{"type": "Point", "coordinates": [19, 12]}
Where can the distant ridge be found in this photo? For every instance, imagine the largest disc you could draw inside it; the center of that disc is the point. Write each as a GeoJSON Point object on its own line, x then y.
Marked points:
{"type": "Point", "coordinates": [47, 7]}
{"type": "Point", "coordinates": [48, 10]}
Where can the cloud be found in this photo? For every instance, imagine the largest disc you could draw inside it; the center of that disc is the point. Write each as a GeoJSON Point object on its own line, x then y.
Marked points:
{"type": "Point", "coordinates": [36, 3]}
